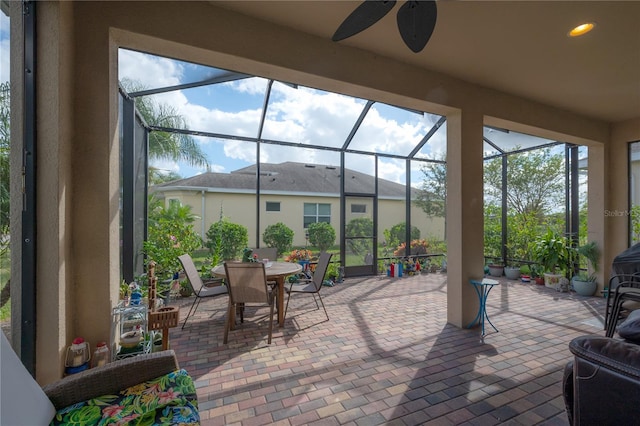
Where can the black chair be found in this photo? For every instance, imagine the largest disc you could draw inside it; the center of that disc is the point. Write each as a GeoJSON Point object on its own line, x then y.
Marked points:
{"type": "Point", "coordinates": [247, 282]}
{"type": "Point", "coordinates": [623, 288]}
{"type": "Point", "coordinates": [602, 383]}
{"type": "Point", "coordinates": [199, 289]}
{"type": "Point", "coordinates": [312, 286]}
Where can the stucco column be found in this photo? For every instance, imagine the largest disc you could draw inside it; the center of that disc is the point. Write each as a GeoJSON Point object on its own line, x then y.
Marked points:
{"type": "Point", "coordinates": [96, 177]}
{"type": "Point", "coordinates": [596, 212]}
{"type": "Point", "coordinates": [464, 214]}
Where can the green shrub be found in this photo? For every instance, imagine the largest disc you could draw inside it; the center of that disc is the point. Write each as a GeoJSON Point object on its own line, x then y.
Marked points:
{"type": "Point", "coordinates": [321, 235]}
{"type": "Point", "coordinates": [226, 240]}
{"type": "Point", "coordinates": [416, 247]}
{"type": "Point", "coordinates": [360, 227]}
{"type": "Point", "coordinates": [169, 238]}
{"type": "Point", "coordinates": [279, 236]}
{"type": "Point", "coordinates": [397, 234]}
{"type": "Point", "coordinates": [332, 271]}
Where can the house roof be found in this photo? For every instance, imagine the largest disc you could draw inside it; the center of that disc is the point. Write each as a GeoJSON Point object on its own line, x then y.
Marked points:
{"type": "Point", "coordinates": [288, 177]}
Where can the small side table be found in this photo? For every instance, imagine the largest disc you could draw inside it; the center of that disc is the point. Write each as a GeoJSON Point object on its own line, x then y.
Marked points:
{"type": "Point", "coordinates": [483, 287]}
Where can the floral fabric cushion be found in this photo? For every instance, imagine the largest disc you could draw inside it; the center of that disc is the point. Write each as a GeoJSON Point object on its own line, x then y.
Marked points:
{"type": "Point", "coordinates": [170, 399]}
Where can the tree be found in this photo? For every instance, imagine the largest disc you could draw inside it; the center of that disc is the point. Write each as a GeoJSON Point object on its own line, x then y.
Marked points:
{"type": "Point", "coordinates": [322, 235]}
{"type": "Point", "coordinates": [171, 235]}
{"type": "Point", "coordinates": [279, 236]}
{"type": "Point", "coordinates": [535, 181]}
{"type": "Point", "coordinates": [157, 177]}
{"type": "Point", "coordinates": [432, 195]}
{"type": "Point", "coordinates": [165, 145]}
{"type": "Point", "coordinates": [535, 184]}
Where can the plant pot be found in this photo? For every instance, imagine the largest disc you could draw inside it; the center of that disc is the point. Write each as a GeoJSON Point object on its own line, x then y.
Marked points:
{"type": "Point", "coordinates": [584, 288]}
{"type": "Point", "coordinates": [496, 270]}
{"type": "Point", "coordinates": [551, 280]}
{"type": "Point", "coordinates": [512, 273]}
{"type": "Point", "coordinates": [539, 280]}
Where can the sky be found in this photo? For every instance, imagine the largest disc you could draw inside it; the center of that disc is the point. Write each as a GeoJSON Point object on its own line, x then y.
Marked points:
{"type": "Point", "coordinates": [299, 115]}
{"type": "Point", "coordinates": [4, 48]}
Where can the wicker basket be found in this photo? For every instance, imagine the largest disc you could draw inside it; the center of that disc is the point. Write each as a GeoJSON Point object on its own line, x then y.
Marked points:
{"type": "Point", "coordinates": [165, 317]}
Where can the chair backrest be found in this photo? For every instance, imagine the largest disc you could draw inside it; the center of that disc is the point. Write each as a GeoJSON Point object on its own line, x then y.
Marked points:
{"type": "Point", "coordinates": [247, 282]}
{"type": "Point", "coordinates": [193, 276]}
{"type": "Point", "coordinates": [270, 253]}
{"type": "Point", "coordinates": [626, 280]}
{"type": "Point", "coordinates": [321, 269]}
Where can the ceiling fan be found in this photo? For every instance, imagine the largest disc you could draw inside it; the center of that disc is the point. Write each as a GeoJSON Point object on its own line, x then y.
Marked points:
{"type": "Point", "coordinates": [416, 20]}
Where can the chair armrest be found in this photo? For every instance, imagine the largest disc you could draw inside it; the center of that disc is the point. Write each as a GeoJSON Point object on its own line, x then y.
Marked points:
{"type": "Point", "coordinates": [616, 355]}
{"type": "Point", "coordinates": [110, 378]}
{"type": "Point", "coordinates": [606, 381]}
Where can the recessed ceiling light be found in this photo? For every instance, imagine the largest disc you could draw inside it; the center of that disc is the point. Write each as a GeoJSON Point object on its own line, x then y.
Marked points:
{"type": "Point", "coordinates": [581, 29]}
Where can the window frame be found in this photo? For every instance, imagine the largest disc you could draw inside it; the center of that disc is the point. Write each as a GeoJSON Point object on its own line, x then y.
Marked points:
{"type": "Point", "coordinates": [272, 203]}
{"type": "Point", "coordinates": [316, 217]}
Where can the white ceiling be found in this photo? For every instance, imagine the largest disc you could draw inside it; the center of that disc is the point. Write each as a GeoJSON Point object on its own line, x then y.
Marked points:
{"type": "Point", "coordinates": [518, 47]}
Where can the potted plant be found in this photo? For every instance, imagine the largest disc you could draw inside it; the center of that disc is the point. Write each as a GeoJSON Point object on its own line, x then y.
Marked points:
{"type": "Point", "coordinates": [584, 283]}
{"type": "Point", "coordinates": [496, 269]}
{"type": "Point", "coordinates": [512, 272]}
{"type": "Point", "coordinates": [552, 252]}
{"type": "Point", "coordinates": [185, 289]}
{"type": "Point", "coordinates": [332, 272]}
{"type": "Point", "coordinates": [536, 274]}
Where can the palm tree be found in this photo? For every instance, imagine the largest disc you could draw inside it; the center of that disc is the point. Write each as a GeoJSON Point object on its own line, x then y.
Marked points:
{"type": "Point", "coordinates": [165, 145]}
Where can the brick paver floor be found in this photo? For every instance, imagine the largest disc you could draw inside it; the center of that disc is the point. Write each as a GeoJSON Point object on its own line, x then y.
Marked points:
{"type": "Point", "coordinates": [388, 356]}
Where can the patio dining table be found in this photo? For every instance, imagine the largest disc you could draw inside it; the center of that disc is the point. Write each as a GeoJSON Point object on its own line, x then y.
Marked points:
{"type": "Point", "coordinates": [276, 271]}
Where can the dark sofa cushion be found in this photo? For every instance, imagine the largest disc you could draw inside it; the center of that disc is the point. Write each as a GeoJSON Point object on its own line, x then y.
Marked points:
{"type": "Point", "coordinates": [630, 328]}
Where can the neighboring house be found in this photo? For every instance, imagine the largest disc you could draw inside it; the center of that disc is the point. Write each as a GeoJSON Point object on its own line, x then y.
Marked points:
{"type": "Point", "coordinates": [296, 194]}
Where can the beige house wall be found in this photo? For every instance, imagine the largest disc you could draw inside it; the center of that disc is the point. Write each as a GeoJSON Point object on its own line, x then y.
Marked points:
{"type": "Point", "coordinates": [78, 182]}
{"type": "Point", "coordinates": [241, 208]}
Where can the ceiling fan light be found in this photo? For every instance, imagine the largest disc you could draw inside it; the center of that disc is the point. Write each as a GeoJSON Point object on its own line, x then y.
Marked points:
{"type": "Point", "coordinates": [581, 29]}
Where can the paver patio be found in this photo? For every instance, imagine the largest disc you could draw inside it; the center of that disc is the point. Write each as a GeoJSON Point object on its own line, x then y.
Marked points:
{"type": "Point", "coordinates": [388, 356]}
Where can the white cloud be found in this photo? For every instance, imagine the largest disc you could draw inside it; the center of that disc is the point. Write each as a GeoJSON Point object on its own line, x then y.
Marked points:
{"type": "Point", "coordinates": [299, 115]}
{"type": "Point", "coordinates": [250, 85]}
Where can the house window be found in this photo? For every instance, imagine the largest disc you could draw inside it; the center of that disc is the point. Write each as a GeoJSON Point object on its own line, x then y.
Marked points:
{"type": "Point", "coordinates": [174, 202]}
{"type": "Point", "coordinates": [316, 212]}
{"type": "Point", "coordinates": [273, 206]}
{"type": "Point", "coordinates": [358, 208]}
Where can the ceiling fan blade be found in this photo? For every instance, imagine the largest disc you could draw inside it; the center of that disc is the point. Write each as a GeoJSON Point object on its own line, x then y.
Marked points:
{"type": "Point", "coordinates": [416, 22]}
{"type": "Point", "coordinates": [365, 15]}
